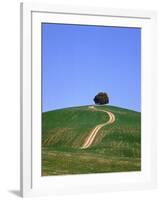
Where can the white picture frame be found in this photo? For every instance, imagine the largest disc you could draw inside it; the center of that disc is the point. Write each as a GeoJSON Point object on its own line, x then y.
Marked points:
{"type": "Point", "coordinates": [32, 183]}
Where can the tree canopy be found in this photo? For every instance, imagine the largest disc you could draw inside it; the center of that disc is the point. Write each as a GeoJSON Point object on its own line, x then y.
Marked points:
{"type": "Point", "coordinates": [101, 98]}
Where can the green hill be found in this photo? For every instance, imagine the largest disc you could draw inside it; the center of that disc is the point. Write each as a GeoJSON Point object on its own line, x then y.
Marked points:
{"type": "Point", "coordinates": [116, 147]}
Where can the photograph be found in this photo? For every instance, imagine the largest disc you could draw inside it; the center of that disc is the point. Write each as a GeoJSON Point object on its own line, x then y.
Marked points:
{"type": "Point", "coordinates": [90, 99]}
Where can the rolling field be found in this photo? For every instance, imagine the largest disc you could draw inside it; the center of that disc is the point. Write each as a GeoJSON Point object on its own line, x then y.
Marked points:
{"type": "Point", "coordinates": [115, 148]}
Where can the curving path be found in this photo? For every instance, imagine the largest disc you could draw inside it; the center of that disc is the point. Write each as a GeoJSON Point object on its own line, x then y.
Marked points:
{"type": "Point", "coordinates": [88, 142]}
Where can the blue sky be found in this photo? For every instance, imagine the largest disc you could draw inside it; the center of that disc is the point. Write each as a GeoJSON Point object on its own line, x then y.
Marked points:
{"type": "Point", "coordinates": [79, 61]}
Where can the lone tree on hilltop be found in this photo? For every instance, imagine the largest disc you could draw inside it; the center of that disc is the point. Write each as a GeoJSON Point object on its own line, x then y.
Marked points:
{"type": "Point", "coordinates": [101, 98]}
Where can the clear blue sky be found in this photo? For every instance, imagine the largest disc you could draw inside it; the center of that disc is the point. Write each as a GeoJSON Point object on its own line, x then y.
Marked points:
{"type": "Point", "coordinates": [79, 61]}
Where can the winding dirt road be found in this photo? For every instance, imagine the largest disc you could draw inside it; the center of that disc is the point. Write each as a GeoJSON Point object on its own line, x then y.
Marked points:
{"type": "Point", "coordinates": [89, 140]}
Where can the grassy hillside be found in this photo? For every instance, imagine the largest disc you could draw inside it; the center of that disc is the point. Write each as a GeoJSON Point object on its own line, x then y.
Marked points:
{"type": "Point", "coordinates": [116, 148]}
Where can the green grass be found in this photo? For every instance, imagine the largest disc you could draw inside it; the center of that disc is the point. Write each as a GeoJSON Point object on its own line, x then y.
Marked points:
{"type": "Point", "coordinates": [116, 148]}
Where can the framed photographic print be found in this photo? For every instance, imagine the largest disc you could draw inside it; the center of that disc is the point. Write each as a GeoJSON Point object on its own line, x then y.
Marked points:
{"type": "Point", "coordinates": [87, 99]}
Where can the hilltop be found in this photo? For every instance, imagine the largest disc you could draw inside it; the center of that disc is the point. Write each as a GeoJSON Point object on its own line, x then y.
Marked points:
{"type": "Point", "coordinates": [115, 146]}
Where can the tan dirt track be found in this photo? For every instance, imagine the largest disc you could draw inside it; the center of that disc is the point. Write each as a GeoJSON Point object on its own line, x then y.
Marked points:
{"type": "Point", "coordinates": [89, 140]}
